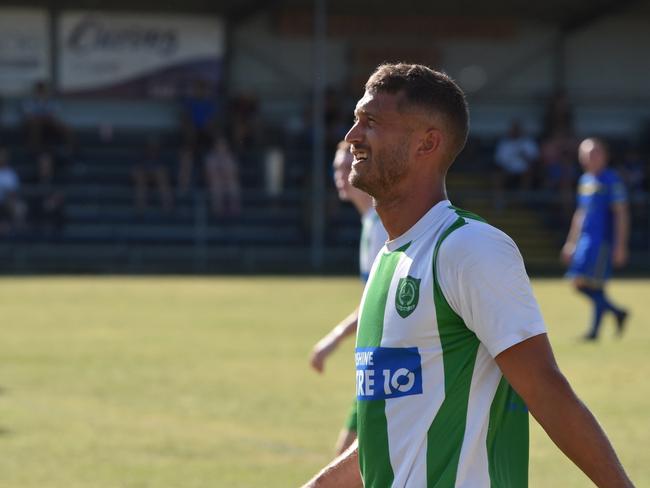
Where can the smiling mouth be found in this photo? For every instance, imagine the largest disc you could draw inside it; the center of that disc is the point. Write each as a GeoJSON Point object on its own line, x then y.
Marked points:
{"type": "Point", "coordinates": [359, 157]}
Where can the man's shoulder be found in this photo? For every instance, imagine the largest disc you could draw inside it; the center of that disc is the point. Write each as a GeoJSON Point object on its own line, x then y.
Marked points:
{"type": "Point", "coordinates": [475, 230]}
{"type": "Point", "coordinates": [474, 239]}
{"type": "Point", "coordinates": [465, 214]}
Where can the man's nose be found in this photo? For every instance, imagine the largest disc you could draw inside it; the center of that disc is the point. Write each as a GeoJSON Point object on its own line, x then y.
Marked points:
{"type": "Point", "coordinates": [354, 135]}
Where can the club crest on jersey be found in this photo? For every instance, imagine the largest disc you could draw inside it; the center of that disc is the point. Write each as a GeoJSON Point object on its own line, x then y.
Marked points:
{"type": "Point", "coordinates": [387, 372]}
{"type": "Point", "coordinates": [407, 296]}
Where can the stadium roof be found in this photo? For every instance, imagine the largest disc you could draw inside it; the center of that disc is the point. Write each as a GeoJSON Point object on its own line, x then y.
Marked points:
{"type": "Point", "coordinates": [567, 13]}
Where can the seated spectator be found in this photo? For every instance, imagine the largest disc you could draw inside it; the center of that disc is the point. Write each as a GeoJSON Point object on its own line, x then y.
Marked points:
{"type": "Point", "coordinates": [43, 124]}
{"type": "Point", "coordinates": [222, 177]}
{"type": "Point", "coordinates": [560, 171]}
{"type": "Point", "coordinates": [558, 116]}
{"type": "Point", "coordinates": [516, 155]}
{"type": "Point", "coordinates": [12, 208]}
{"type": "Point", "coordinates": [152, 169]}
{"type": "Point", "coordinates": [244, 125]}
{"type": "Point", "coordinates": [199, 118]}
{"type": "Point", "coordinates": [558, 156]}
{"type": "Point", "coordinates": [47, 205]}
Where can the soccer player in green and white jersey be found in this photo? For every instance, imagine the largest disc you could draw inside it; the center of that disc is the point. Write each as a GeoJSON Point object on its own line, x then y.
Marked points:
{"type": "Point", "coordinates": [373, 237]}
{"type": "Point", "coordinates": [452, 349]}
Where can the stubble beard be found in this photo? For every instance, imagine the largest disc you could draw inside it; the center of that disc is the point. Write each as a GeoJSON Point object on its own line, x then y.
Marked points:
{"type": "Point", "coordinates": [385, 171]}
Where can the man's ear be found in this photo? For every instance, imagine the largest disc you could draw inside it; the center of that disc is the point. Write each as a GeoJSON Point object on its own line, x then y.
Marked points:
{"type": "Point", "coordinates": [430, 143]}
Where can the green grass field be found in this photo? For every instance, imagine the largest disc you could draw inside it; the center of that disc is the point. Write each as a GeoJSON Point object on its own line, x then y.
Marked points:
{"type": "Point", "coordinates": [183, 382]}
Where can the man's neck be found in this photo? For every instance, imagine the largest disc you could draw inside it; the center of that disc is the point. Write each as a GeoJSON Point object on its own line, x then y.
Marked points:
{"type": "Point", "coordinates": [402, 211]}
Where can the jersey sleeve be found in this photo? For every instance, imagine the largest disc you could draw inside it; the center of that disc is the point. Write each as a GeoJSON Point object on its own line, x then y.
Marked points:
{"type": "Point", "coordinates": [482, 275]}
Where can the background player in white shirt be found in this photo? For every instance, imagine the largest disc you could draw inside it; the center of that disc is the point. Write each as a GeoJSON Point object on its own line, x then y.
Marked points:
{"type": "Point", "coordinates": [410, 126]}
{"type": "Point", "coordinates": [373, 237]}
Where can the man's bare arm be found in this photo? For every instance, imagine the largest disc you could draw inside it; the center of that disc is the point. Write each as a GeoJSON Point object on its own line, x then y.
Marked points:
{"type": "Point", "coordinates": [532, 371]}
{"type": "Point", "coordinates": [572, 238]}
{"type": "Point", "coordinates": [343, 472]}
{"type": "Point", "coordinates": [328, 344]}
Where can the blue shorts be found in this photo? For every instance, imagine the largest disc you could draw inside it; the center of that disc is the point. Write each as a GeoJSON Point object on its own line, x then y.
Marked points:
{"type": "Point", "coordinates": [592, 260]}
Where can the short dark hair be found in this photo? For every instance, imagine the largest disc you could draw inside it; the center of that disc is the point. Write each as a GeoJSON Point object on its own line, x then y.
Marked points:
{"type": "Point", "coordinates": [426, 88]}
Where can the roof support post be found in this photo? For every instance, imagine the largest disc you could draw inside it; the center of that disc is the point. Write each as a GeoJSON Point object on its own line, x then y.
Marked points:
{"type": "Point", "coordinates": [318, 146]}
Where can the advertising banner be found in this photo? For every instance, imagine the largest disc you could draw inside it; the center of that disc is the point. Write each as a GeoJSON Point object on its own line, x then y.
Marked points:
{"type": "Point", "coordinates": [139, 55]}
{"type": "Point", "coordinates": [24, 49]}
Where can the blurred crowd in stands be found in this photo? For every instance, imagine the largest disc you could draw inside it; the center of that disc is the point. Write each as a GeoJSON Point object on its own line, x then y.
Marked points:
{"type": "Point", "coordinates": [211, 139]}
{"type": "Point", "coordinates": [51, 148]}
{"type": "Point", "coordinates": [217, 137]}
{"type": "Point", "coordinates": [548, 165]}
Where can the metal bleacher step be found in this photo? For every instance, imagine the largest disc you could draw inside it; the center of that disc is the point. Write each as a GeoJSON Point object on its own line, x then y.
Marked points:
{"type": "Point", "coordinates": [183, 213]}
{"type": "Point", "coordinates": [182, 234]}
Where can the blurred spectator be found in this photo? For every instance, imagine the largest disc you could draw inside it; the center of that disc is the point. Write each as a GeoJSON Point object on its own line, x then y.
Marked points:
{"type": "Point", "coordinates": [199, 119]}
{"type": "Point", "coordinates": [516, 156]}
{"type": "Point", "coordinates": [298, 130]}
{"type": "Point", "coordinates": [558, 116]}
{"type": "Point", "coordinates": [47, 205]}
{"type": "Point", "coordinates": [297, 145]}
{"type": "Point", "coordinates": [12, 208]}
{"type": "Point", "coordinates": [43, 124]}
{"type": "Point", "coordinates": [560, 171]}
{"type": "Point", "coordinates": [152, 169]}
{"type": "Point", "coordinates": [244, 123]}
{"type": "Point", "coordinates": [558, 155]}
{"type": "Point", "coordinates": [222, 177]}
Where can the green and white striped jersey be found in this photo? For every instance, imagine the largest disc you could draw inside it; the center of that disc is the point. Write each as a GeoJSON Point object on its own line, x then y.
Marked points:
{"type": "Point", "coordinates": [434, 410]}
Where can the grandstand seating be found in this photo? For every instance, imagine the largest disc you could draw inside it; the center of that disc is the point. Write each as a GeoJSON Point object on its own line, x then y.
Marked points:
{"type": "Point", "coordinates": [105, 234]}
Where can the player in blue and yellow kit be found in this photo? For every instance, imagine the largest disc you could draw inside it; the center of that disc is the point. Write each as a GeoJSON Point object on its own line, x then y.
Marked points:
{"type": "Point", "coordinates": [599, 233]}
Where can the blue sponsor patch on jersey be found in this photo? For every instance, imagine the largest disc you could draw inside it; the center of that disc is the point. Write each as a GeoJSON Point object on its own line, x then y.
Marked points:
{"type": "Point", "coordinates": [387, 372]}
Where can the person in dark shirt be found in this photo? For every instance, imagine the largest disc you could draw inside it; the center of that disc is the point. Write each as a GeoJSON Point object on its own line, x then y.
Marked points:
{"type": "Point", "coordinates": [152, 168]}
{"type": "Point", "coordinates": [47, 206]}
{"type": "Point", "coordinates": [200, 114]}
{"type": "Point", "coordinates": [45, 128]}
